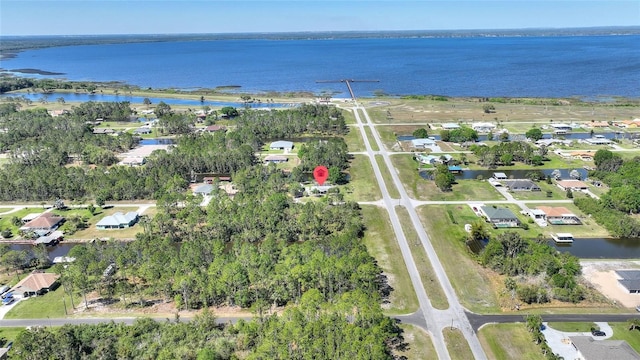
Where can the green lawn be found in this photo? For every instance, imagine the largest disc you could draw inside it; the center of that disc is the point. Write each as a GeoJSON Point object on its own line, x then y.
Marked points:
{"type": "Point", "coordinates": [382, 245]}
{"type": "Point", "coordinates": [4, 210]}
{"type": "Point", "coordinates": [372, 141]}
{"type": "Point", "coordinates": [556, 193]}
{"type": "Point", "coordinates": [420, 345]}
{"type": "Point", "coordinates": [91, 232]}
{"type": "Point", "coordinates": [363, 185]}
{"type": "Point", "coordinates": [49, 305]}
{"type": "Point", "coordinates": [388, 181]}
{"type": "Point", "coordinates": [428, 277]}
{"type": "Point", "coordinates": [572, 326]}
{"type": "Point", "coordinates": [470, 281]}
{"type": "Point", "coordinates": [9, 334]}
{"type": "Point", "coordinates": [508, 341]}
{"type": "Point", "coordinates": [457, 345]}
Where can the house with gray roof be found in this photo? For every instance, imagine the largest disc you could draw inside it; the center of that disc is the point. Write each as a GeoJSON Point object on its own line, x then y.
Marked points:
{"type": "Point", "coordinates": [281, 145]}
{"type": "Point", "coordinates": [592, 349]}
{"type": "Point", "coordinates": [118, 221]}
{"type": "Point", "coordinates": [204, 189]}
{"type": "Point", "coordinates": [500, 217]}
{"type": "Point", "coordinates": [521, 185]}
{"type": "Point", "coordinates": [630, 280]}
{"type": "Point", "coordinates": [422, 143]}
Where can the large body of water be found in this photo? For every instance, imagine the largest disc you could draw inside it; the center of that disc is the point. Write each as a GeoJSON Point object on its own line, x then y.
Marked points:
{"type": "Point", "coordinates": [543, 66]}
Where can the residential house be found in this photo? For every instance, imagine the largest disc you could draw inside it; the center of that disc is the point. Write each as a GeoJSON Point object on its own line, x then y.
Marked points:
{"type": "Point", "coordinates": [118, 221]}
{"type": "Point", "coordinates": [521, 185]}
{"type": "Point", "coordinates": [591, 349]}
{"type": "Point", "coordinates": [43, 224]}
{"type": "Point", "coordinates": [422, 143]}
{"type": "Point", "coordinates": [483, 127]}
{"type": "Point", "coordinates": [572, 184]}
{"type": "Point", "coordinates": [50, 239]}
{"type": "Point", "coordinates": [142, 131]}
{"type": "Point", "coordinates": [133, 161]}
{"type": "Point", "coordinates": [281, 145]}
{"type": "Point", "coordinates": [597, 140]}
{"type": "Point", "coordinates": [559, 215]}
{"type": "Point", "coordinates": [500, 217]}
{"type": "Point", "coordinates": [635, 123]}
{"type": "Point", "coordinates": [500, 176]}
{"type": "Point", "coordinates": [203, 189]}
{"type": "Point", "coordinates": [630, 280]}
{"type": "Point", "coordinates": [276, 159]}
{"type": "Point", "coordinates": [450, 126]}
{"type": "Point", "coordinates": [215, 128]}
{"type": "Point", "coordinates": [433, 159]}
{"type": "Point", "coordinates": [30, 217]}
{"type": "Point", "coordinates": [37, 283]}
{"type": "Point", "coordinates": [104, 131]}
{"type": "Point", "coordinates": [455, 169]}
{"type": "Point", "coordinates": [598, 124]}
{"type": "Point", "coordinates": [581, 155]}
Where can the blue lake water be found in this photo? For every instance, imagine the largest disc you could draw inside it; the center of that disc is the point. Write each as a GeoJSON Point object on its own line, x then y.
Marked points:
{"type": "Point", "coordinates": [529, 66]}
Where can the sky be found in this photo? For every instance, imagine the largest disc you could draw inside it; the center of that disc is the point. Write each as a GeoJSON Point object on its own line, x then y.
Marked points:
{"type": "Point", "coordinates": [89, 17]}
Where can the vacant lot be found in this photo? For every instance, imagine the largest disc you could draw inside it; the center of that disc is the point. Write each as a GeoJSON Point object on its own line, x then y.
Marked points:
{"type": "Point", "coordinates": [362, 185]}
{"type": "Point", "coordinates": [420, 344]}
{"type": "Point", "coordinates": [509, 341]}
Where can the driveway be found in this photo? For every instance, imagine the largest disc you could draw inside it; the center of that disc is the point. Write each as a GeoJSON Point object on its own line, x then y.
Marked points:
{"type": "Point", "coordinates": [560, 343]}
{"type": "Point", "coordinates": [4, 309]}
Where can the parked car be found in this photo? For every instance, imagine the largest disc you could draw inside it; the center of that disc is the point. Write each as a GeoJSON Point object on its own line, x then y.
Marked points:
{"type": "Point", "coordinates": [8, 299]}
{"type": "Point", "coordinates": [638, 308]}
{"type": "Point", "coordinates": [598, 333]}
{"type": "Point", "coordinates": [4, 289]}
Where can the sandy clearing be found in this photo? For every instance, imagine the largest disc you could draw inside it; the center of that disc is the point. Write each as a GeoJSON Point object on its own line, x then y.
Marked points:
{"type": "Point", "coordinates": [601, 273]}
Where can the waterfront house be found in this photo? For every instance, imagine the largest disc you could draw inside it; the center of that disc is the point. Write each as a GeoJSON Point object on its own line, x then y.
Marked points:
{"type": "Point", "coordinates": [450, 126]}
{"type": "Point", "coordinates": [483, 127]}
{"type": "Point", "coordinates": [500, 217]}
{"type": "Point", "coordinates": [630, 280]}
{"type": "Point", "coordinates": [142, 131]}
{"type": "Point", "coordinates": [215, 128]}
{"type": "Point", "coordinates": [572, 184]}
{"type": "Point", "coordinates": [43, 224]}
{"type": "Point", "coordinates": [521, 185]}
{"type": "Point", "coordinates": [589, 348]}
{"type": "Point", "coordinates": [422, 143]}
{"type": "Point", "coordinates": [559, 215]}
{"type": "Point", "coordinates": [118, 221]}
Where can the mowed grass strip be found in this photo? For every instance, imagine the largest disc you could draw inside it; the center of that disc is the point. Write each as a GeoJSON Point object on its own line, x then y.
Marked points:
{"type": "Point", "coordinates": [456, 344]}
{"type": "Point", "coordinates": [10, 333]}
{"type": "Point", "coordinates": [386, 175]}
{"type": "Point", "coordinates": [572, 326]}
{"type": "Point", "coordinates": [381, 243]}
{"type": "Point", "coordinates": [428, 277]}
{"type": "Point", "coordinates": [508, 341]}
{"type": "Point", "coordinates": [421, 189]}
{"type": "Point", "coordinates": [467, 277]}
{"type": "Point", "coordinates": [363, 185]}
{"type": "Point", "coordinates": [372, 141]}
{"type": "Point", "coordinates": [419, 342]}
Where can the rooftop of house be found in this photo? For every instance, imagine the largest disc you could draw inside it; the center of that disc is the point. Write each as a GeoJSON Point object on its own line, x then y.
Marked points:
{"type": "Point", "coordinates": [592, 349]}
{"type": "Point", "coordinates": [572, 183]}
{"type": "Point", "coordinates": [45, 221]}
{"type": "Point", "coordinates": [498, 213]}
{"type": "Point", "coordinates": [555, 211]}
{"type": "Point", "coordinates": [35, 282]}
{"type": "Point", "coordinates": [118, 218]}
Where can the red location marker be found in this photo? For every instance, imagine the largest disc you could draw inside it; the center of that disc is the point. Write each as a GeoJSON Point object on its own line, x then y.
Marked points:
{"type": "Point", "coordinates": [320, 173]}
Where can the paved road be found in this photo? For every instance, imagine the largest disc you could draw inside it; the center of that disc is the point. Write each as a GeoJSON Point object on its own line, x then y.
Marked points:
{"type": "Point", "coordinates": [436, 320]}
{"type": "Point", "coordinates": [477, 320]}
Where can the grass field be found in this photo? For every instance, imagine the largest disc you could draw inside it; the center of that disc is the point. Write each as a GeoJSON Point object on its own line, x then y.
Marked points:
{"type": "Point", "coordinates": [470, 281]}
{"type": "Point", "coordinates": [420, 344]}
{"type": "Point", "coordinates": [456, 344]}
{"type": "Point", "coordinates": [382, 245]}
{"type": "Point", "coordinates": [428, 277]}
{"type": "Point", "coordinates": [9, 334]}
{"type": "Point", "coordinates": [354, 141]}
{"type": "Point", "coordinates": [508, 341]}
{"type": "Point", "coordinates": [363, 182]}
{"type": "Point", "coordinates": [421, 189]}
{"type": "Point", "coordinates": [388, 181]}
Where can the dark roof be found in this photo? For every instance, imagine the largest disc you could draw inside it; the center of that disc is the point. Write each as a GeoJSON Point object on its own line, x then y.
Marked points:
{"type": "Point", "coordinates": [521, 184]}
{"type": "Point", "coordinates": [630, 285]}
{"type": "Point", "coordinates": [629, 274]}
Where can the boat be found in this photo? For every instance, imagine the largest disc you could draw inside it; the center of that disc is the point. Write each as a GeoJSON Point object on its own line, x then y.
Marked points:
{"type": "Point", "coordinates": [562, 238]}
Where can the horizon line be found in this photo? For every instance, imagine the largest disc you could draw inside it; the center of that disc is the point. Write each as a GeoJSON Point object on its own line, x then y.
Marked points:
{"type": "Point", "coordinates": [606, 27]}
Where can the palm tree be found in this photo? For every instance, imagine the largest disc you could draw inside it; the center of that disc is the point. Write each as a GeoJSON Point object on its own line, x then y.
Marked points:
{"type": "Point", "coordinates": [634, 324]}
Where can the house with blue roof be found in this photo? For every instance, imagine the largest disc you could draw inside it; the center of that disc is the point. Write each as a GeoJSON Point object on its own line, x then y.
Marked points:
{"type": "Point", "coordinates": [118, 221]}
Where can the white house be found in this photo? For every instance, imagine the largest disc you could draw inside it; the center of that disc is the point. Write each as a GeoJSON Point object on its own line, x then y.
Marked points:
{"type": "Point", "coordinates": [118, 221]}
{"type": "Point", "coordinates": [422, 143]}
{"type": "Point", "coordinates": [281, 145]}
{"type": "Point", "coordinates": [483, 127]}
